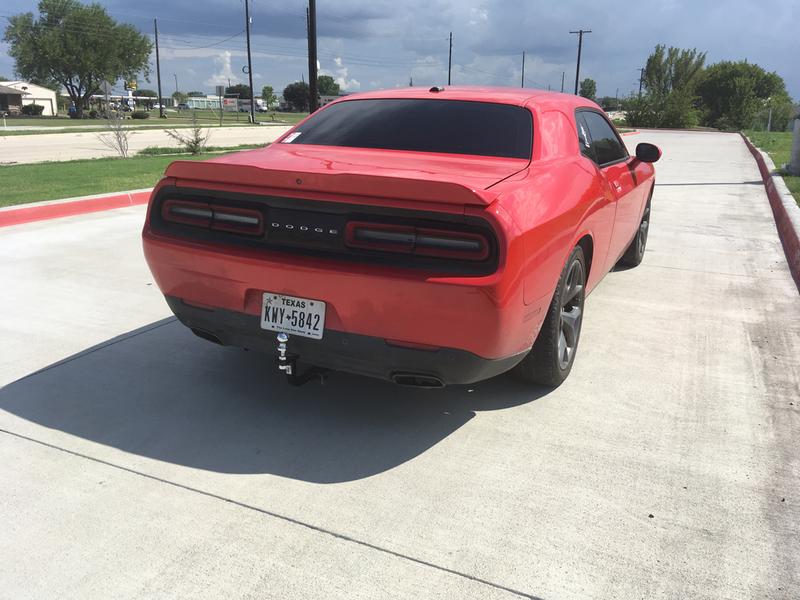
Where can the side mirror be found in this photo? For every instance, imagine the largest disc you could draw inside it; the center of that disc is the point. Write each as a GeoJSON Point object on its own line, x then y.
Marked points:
{"type": "Point", "coordinates": [648, 153]}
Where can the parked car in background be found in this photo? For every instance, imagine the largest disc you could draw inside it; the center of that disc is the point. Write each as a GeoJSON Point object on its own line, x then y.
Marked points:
{"type": "Point", "coordinates": [183, 106]}
{"type": "Point", "coordinates": [425, 237]}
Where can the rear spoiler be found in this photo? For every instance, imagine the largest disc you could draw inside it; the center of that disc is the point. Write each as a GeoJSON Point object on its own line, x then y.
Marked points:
{"type": "Point", "coordinates": [353, 184]}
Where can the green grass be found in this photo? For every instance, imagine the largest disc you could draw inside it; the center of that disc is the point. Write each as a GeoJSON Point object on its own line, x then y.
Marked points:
{"type": "Point", "coordinates": [50, 181]}
{"type": "Point", "coordinates": [228, 118]}
{"type": "Point", "coordinates": [46, 122]}
{"type": "Point", "coordinates": [163, 150]}
{"type": "Point", "coordinates": [779, 147]}
{"type": "Point", "coordinates": [207, 118]}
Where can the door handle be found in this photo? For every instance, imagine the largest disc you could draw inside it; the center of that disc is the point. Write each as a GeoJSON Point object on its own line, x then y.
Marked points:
{"type": "Point", "coordinates": [617, 185]}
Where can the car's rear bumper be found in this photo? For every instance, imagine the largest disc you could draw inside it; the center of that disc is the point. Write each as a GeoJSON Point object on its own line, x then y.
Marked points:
{"type": "Point", "coordinates": [483, 316]}
{"type": "Point", "coordinates": [353, 353]}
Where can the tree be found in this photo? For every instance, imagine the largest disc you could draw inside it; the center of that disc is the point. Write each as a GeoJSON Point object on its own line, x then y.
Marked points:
{"type": "Point", "coordinates": [672, 69]}
{"type": "Point", "coordinates": [732, 93]}
{"type": "Point", "coordinates": [268, 96]}
{"type": "Point", "coordinates": [296, 94]}
{"type": "Point", "coordinates": [327, 86]}
{"type": "Point", "coordinates": [146, 97]}
{"type": "Point", "coordinates": [588, 88]}
{"type": "Point", "coordinates": [180, 97]}
{"type": "Point", "coordinates": [196, 95]}
{"type": "Point", "coordinates": [608, 103]}
{"type": "Point", "coordinates": [669, 81]}
{"type": "Point", "coordinates": [240, 88]}
{"type": "Point", "coordinates": [77, 46]}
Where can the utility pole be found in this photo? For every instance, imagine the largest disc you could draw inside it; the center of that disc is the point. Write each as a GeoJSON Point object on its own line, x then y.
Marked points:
{"type": "Point", "coordinates": [249, 61]}
{"type": "Point", "coordinates": [641, 79]}
{"type": "Point", "coordinates": [158, 75]}
{"type": "Point", "coordinates": [175, 75]}
{"type": "Point", "coordinates": [523, 68]}
{"type": "Point", "coordinates": [562, 80]}
{"type": "Point", "coordinates": [580, 33]}
{"type": "Point", "coordinates": [312, 55]}
{"type": "Point", "coordinates": [450, 58]}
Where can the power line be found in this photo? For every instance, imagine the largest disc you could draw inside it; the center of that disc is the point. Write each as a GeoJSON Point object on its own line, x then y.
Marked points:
{"type": "Point", "coordinates": [189, 46]}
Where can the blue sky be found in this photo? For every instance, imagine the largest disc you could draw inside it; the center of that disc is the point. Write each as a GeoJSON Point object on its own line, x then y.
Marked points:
{"type": "Point", "coordinates": [368, 44]}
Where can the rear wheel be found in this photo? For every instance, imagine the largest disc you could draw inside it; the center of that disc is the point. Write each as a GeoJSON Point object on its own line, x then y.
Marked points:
{"type": "Point", "coordinates": [553, 354]}
{"type": "Point", "coordinates": [635, 253]}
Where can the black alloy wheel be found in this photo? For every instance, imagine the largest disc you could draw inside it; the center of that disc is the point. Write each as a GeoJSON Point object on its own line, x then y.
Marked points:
{"type": "Point", "coordinates": [553, 354]}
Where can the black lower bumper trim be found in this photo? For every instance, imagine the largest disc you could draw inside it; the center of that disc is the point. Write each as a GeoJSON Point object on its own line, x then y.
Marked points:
{"type": "Point", "coordinates": [353, 353]}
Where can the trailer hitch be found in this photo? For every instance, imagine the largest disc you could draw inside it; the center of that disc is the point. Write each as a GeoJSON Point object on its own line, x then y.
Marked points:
{"type": "Point", "coordinates": [288, 364]}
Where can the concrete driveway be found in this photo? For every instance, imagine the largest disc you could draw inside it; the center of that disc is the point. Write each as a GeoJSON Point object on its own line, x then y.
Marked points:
{"type": "Point", "coordinates": [72, 146]}
{"type": "Point", "coordinates": [137, 461]}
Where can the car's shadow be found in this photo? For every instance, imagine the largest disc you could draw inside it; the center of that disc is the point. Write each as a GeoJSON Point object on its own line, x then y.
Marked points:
{"type": "Point", "coordinates": [160, 392]}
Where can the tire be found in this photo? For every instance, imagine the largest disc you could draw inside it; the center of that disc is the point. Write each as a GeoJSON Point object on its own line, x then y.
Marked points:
{"type": "Point", "coordinates": [550, 360]}
{"type": "Point", "coordinates": [635, 253]}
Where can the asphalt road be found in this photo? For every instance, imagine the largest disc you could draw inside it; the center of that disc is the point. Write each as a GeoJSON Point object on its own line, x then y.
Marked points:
{"type": "Point", "coordinates": [71, 146]}
{"type": "Point", "coordinates": [137, 461]}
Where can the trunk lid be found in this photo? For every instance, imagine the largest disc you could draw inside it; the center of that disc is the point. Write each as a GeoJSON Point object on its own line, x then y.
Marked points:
{"type": "Point", "coordinates": [420, 176]}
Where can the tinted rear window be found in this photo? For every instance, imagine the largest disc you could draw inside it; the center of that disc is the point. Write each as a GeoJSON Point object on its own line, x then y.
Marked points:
{"type": "Point", "coordinates": [449, 126]}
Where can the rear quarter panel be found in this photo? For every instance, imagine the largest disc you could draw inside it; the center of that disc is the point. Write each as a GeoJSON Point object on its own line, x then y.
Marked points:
{"type": "Point", "coordinates": [555, 202]}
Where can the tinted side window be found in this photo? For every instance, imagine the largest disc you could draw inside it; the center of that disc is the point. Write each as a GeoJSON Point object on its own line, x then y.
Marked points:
{"type": "Point", "coordinates": [607, 147]}
{"type": "Point", "coordinates": [584, 141]}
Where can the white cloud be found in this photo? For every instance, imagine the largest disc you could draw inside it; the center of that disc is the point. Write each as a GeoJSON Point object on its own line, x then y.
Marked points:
{"type": "Point", "coordinates": [340, 75]}
{"type": "Point", "coordinates": [225, 73]}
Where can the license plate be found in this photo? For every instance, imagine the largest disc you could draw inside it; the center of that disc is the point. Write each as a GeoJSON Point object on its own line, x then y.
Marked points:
{"type": "Point", "coordinates": [289, 314]}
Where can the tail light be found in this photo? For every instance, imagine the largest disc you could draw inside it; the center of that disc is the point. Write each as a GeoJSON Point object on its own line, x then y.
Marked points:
{"type": "Point", "coordinates": [440, 243]}
{"type": "Point", "coordinates": [198, 214]}
{"type": "Point", "coordinates": [211, 216]}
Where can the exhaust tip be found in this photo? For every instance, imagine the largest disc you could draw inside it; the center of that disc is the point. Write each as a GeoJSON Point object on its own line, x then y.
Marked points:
{"type": "Point", "coordinates": [207, 335]}
{"type": "Point", "coordinates": [417, 380]}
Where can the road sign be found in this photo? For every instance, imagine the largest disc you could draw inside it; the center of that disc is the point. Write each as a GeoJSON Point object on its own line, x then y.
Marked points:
{"type": "Point", "coordinates": [220, 90]}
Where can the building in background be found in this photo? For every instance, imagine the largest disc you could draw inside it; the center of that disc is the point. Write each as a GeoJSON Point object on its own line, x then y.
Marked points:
{"type": "Point", "coordinates": [10, 100]}
{"type": "Point", "coordinates": [34, 94]}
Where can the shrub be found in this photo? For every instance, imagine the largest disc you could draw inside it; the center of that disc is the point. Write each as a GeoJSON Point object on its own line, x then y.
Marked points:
{"type": "Point", "coordinates": [195, 141]}
{"type": "Point", "coordinates": [93, 114]}
{"type": "Point", "coordinates": [140, 114]}
{"type": "Point", "coordinates": [33, 110]}
{"type": "Point", "coordinates": [117, 136]}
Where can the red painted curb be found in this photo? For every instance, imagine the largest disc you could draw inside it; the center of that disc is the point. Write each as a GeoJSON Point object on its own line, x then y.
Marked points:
{"type": "Point", "coordinates": [786, 230]}
{"type": "Point", "coordinates": [630, 132]}
{"type": "Point", "coordinates": [27, 214]}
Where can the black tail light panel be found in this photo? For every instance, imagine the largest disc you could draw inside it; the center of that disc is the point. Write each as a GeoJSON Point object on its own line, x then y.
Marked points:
{"type": "Point", "coordinates": [446, 244]}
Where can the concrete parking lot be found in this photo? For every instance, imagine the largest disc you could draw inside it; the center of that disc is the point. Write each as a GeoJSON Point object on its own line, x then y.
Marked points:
{"type": "Point", "coordinates": [72, 146]}
{"type": "Point", "coordinates": [137, 461]}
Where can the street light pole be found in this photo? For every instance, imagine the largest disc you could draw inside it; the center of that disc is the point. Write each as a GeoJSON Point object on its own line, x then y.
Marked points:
{"type": "Point", "coordinates": [175, 75]}
{"type": "Point", "coordinates": [580, 33]}
{"type": "Point", "coordinates": [523, 68]}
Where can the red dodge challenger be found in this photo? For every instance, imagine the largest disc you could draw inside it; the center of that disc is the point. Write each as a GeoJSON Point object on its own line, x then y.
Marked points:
{"type": "Point", "coordinates": [423, 236]}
